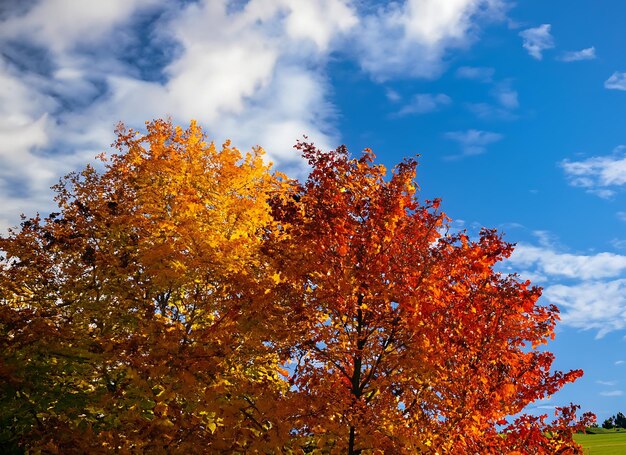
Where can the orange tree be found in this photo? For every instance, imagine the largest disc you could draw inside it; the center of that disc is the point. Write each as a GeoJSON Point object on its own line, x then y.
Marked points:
{"type": "Point", "coordinates": [409, 341]}
{"type": "Point", "coordinates": [154, 313]}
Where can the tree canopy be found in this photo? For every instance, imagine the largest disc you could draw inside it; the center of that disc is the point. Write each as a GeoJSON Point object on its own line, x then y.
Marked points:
{"type": "Point", "coordinates": [188, 299]}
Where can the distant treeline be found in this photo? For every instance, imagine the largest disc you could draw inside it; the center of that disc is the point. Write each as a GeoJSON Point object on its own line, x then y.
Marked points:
{"type": "Point", "coordinates": [616, 421]}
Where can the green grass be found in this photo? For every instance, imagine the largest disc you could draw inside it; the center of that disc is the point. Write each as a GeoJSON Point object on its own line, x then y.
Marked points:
{"type": "Point", "coordinates": [604, 442]}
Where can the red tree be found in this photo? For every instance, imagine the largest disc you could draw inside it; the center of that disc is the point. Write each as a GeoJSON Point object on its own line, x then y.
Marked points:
{"type": "Point", "coordinates": [409, 340]}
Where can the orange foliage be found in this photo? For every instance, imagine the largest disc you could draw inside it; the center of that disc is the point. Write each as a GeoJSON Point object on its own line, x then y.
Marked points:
{"type": "Point", "coordinates": [187, 300]}
{"type": "Point", "coordinates": [409, 341]}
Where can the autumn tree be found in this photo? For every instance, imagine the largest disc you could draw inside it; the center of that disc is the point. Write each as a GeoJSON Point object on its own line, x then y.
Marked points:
{"type": "Point", "coordinates": [408, 340]}
{"type": "Point", "coordinates": [135, 318]}
{"type": "Point", "coordinates": [185, 299]}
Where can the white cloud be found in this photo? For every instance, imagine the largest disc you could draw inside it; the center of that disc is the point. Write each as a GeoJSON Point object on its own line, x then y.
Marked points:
{"type": "Point", "coordinates": [575, 56]}
{"type": "Point", "coordinates": [62, 25]}
{"type": "Point", "coordinates": [431, 21]}
{"type": "Point", "coordinates": [477, 73]}
{"type": "Point", "coordinates": [207, 80]}
{"type": "Point", "coordinates": [319, 21]}
{"type": "Point", "coordinates": [473, 142]}
{"type": "Point", "coordinates": [292, 106]}
{"type": "Point", "coordinates": [26, 129]}
{"type": "Point", "coordinates": [423, 103]}
{"type": "Point", "coordinates": [255, 74]}
{"type": "Point", "coordinates": [617, 81]}
{"type": "Point", "coordinates": [607, 383]}
{"type": "Point", "coordinates": [599, 175]}
{"type": "Point", "coordinates": [536, 40]}
{"type": "Point", "coordinates": [253, 71]}
{"type": "Point", "coordinates": [590, 290]}
{"type": "Point", "coordinates": [564, 265]}
{"type": "Point", "coordinates": [411, 38]}
{"type": "Point", "coordinates": [619, 362]}
{"type": "Point", "coordinates": [599, 306]}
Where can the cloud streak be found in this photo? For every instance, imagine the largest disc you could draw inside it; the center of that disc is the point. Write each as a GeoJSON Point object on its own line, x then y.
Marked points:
{"type": "Point", "coordinates": [599, 175]}
{"type": "Point", "coordinates": [476, 73]}
{"type": "Point", "coordinates": [549, 262]}
{"type": "Point", "coordinates": [612, 393]}
{"type": "Point", "coordinates": [589, 289]}
{"type": "Point", "coordinates": [506, 96]}
{"type": "Point", "coordinates": [423, 103]}
{"type": "Point", "coordinates": [576, 56]}
{"type": "Point", "coordinates": [473, 142]}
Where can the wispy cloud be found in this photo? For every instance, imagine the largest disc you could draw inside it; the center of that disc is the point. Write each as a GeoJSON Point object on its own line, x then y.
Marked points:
{"type": "Point", "coordinates": [545, 406]}
{"type": "Point", "coordinates": [575, 56]}
{"type": "Point", "coordinates": [591, 305]}
{"type": "Point", "coordinates": [612, 393]}
{"type": "Point", "coordinates": [473, 142]}
{"type": "Point", "coordinates": [550, 262]}
{"type": "Point", "coordinates": [599, 175]}
{"type": "Point", "coordinates": [545, 239]}
{"type": "Point", "coordinates": [536, 40]}
{"type": "Point", "coordinates": [423, 103]}
{"type": "Point", "coordinates": [477, 73]}
{"type": "Point", "coordinates": [506, 96]}
{"type": "Point", "coordinates": [392, 95]}
{"type": "Point", "coordinates": [619, 362]}
{"type": "Point", "coordinates": [505, 102]}
{"type": "Point", "coordinates": [607, 383]}
{"type": "Point", "coordinates": [490, 111]}
{"type": "Point", "coordinates": [617, 81]}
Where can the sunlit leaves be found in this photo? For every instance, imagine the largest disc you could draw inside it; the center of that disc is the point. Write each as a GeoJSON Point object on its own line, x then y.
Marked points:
{"type": "Point", "coordinates": [186, 299]}
{"type": "Point", "coordinates": [413, 343]}
{"type": "Point", "coordinates": [133, 314]}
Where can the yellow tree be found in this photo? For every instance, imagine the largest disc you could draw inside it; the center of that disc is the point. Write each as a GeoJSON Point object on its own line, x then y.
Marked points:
{"type": "Point", "coordinates": [135, 319]}
{"type": "Point", "coordinates": [409, 340]}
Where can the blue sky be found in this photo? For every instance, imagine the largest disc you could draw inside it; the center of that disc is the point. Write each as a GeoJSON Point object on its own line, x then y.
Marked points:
{"type": "Point", "coordinates": [516, 111]}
